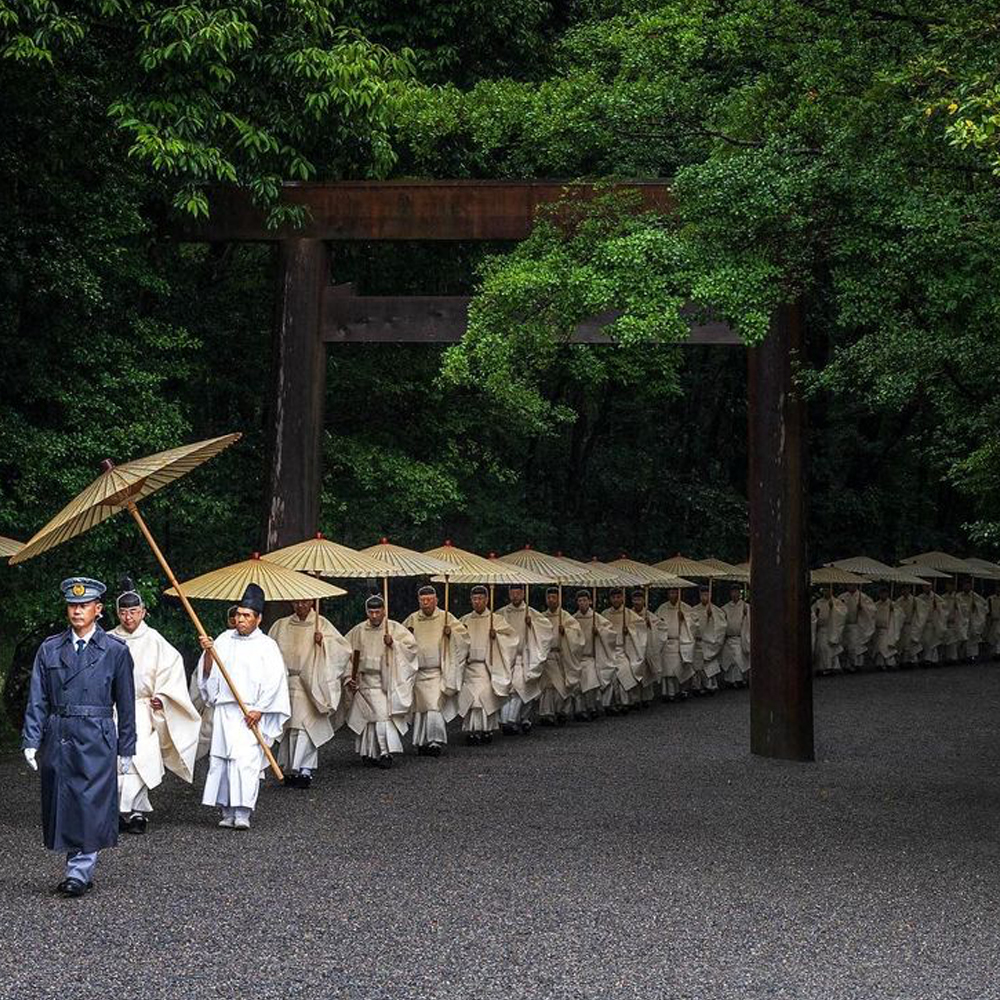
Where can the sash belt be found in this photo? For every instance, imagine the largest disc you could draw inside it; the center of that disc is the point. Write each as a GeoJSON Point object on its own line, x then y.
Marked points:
{"type": "Point", "coordinates": [83, 711]}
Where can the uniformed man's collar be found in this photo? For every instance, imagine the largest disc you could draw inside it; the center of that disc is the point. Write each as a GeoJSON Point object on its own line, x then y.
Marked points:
{"type": "Point", "coordinates": [86, 637]}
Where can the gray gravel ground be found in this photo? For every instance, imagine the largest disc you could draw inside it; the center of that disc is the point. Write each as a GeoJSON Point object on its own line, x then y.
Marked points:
{"type": "Point", "coordinates": [649, 856]}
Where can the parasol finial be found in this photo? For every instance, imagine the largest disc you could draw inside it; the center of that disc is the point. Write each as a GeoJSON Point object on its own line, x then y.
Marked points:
{"type": "Point", "coordinates": [107, 465]}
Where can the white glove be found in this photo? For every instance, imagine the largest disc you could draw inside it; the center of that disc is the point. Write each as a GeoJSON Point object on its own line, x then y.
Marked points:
{"type": "Point", "coordinates": [124, 765]}
{"type": "Point", "coordinates": [29, 756]}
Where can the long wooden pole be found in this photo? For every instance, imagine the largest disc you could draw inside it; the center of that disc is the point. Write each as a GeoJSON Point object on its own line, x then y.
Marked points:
{"type": "Point", "coordinates": [134, 511]}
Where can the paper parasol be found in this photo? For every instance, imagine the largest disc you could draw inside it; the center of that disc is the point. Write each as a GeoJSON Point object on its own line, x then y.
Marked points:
{"type": "Point", "coordinates": [120, 487]}
{"type": "Point", "coordinates": [985, 570]}
{"type": "Point", "coordinates": [829, 575]}
{"type": "Point", "coordinates": [682, 566]}
{"type": "Point", "coordinates": [602, 575]}
{"type": "Point", "coordinates": [553, 568]}
{"type": "Point", "coordinates": [279, 584]}
{"type": "Point", "coordinates": [9, 547]}
{"type": "Point", "coordinates": [940, 561]}
{"type": "Point", "coordinates": [399, 561]}
{"type": "Point", "coordinates": [650, 577]}
{"type": "Point", "coordinates": [875, 570]}
{"type": "Point", "coordinates": [927, 572]}
{"type": "Point", "coordinates": [325, 558]}
{"type": "Point", "coordinates": [728, 570]}
{"type": "Point", "coordinates": [461, 560]}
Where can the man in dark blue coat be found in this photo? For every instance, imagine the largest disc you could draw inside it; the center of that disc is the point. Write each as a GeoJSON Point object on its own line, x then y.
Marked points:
{"type": "Point", "coordinates": [79, 678]}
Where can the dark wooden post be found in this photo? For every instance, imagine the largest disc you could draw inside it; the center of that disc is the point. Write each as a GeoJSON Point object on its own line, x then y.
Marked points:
{"type": "Point", "coordinates": [295, 421]}
{"type": "Point", "coordinates": [781, 705]}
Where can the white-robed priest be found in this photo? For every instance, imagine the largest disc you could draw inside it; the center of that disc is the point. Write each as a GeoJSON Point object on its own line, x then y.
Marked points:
{"type": "Point", "coordinates": [975, 610]}
{"type": "Point", "coordinates": [634, 670]}
{"type": "Point", "coordinates": [708, 629]}
{"type": "Point", "coordinates": [735, 659]}
{"type": "Point", "coordinates": [599, 660]}
{"type": "Point", "coordinates": [678, 649]}
{"type": "Point", "coordinates": [166, 722]}
{"type": "Point", "coordinates": [859, 627]}
{"type": "Point", "coordinates": [829, 616]}
{"type": "Point", "coordinates": [383, 673]}
{"type": "Point", "coordinates": [253, 662]}
{"type": "Point", "coordinates": [316, 658]}
{"type": "Point", "coordinates": [534, 637]}
{"type": "Point", "coordinates": [442, 652]}
{"type": "Point", "coordinates": [487, 678]}
{"type": "Point", "coordinates": [912, 618]}
{"type": "Point", "coordinates": [656, 638]}
{"type": "Point", "coordinates": [561, 670]}
{"type": "Point", "coordinates": [888, 628]}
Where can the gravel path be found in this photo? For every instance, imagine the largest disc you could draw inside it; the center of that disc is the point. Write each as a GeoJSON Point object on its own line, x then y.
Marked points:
{"type": "Point", "coordinates": [648, 856]}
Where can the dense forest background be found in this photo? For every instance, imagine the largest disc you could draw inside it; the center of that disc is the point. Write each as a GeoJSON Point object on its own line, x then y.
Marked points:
{"type": "Point", "coordinates": [843, 150]}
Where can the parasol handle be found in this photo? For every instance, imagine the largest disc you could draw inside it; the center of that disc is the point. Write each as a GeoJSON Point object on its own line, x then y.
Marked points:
{"type": "Point", "coordinates": [385, 598]}
{"type": "Point", "coordinates": [134, 511]}
{"type": "Point", "coordinates": [489, 638]}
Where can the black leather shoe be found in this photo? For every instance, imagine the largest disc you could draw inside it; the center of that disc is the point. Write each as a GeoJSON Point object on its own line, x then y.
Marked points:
{"type": "Point", "coordinates": [525, 728]}
{"type": "Point", "coordinates": [136, 824]}
{"type": "Point", "coordinates": [509, 728]}
{"type": "Point", "coordinates": [303, 780]}
{"type": "Point", "coordinates": [74, 887]}
{"type": "Point", "coordinates": [122, 823]}
{"type": "Point", "coordinates": [433, 750]}
{"type": "Point", "coordinates": [486, 737]}
{"type": "Point", "coordinates": [472, 739]}
{"type": "Point", "coordinates": [562, 719]}
{"type": "Point", "coordinates": [385, 761]}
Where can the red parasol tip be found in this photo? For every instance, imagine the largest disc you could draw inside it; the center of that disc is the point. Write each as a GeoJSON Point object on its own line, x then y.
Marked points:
{"type": "Point", "coordinates": [448, 541]}
{"type": "Point", "coordinates": [527, 545]}
{"type": "Point", "coordinates": [107, 465]}
{"type": "Point", "coordinates": [383, 540]}
{"type": "Point", "coordinates": [254, 555]}
{"type": "Point", "coordinates": [319, 534]}
{"type": "Point", "coordinates": [493, 555]}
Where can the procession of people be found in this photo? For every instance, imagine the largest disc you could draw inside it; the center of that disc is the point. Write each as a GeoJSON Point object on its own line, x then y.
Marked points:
{"type": "Point", "coordinates": [110, 712]}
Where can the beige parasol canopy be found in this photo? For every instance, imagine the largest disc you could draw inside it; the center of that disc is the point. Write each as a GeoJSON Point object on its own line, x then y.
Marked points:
{"type": "Point", "coordinates": [9, 547]}
{"type": "Point", "coordinates": [985, 570]}
{"type": "Point", "coordinates": [875, 570]}
{"type": "Point", "coordinates": [683, 566]}
{"type": "Point", "coordinates": [827, 575]}
{"type": "Point", "coordinates": [928, 573]}
{"type": "Point", "coordinates": [650, 576]}
{"type": "Point", "coordinates": [498, 572]}
{"type": "Point", "coordinates": [603, 575]}
{"type": "Point", "coordinates": [729, 571]}
{"type": "Point", "coordinates": [325, 558]}
{"type": "Point", "coordinates": [399, 561]}
{"type": "Point", "coordinates": [554, 568]}
{"type": "Point", "coordinates": [279, 584]}
{"type": "Point", "coordinates": [116, 488]}
{"type": "Point", "coordinates": [460, 560]}
{"type": "Point", "coordinates": [942, 561]}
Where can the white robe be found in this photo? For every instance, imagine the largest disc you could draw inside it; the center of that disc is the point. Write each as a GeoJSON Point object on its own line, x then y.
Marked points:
{"type": "Point", "coordinates": [562, 667]}
{"type": "Point", "coordinates": [888, 627]}
{"type": "Point", "coordinates": [236, 759]}
{"type": "Point", "coordinates": [315, 677]}
{"type": "Point", "coordinates": [678, 649]}
{"type": "Point", "coordinates": [859, 627]}
{"type": "Point", "coordinates": [956, 627]}
{"type": "Point", "coordinates": [441, 664]}
{"type": "Point", "coordinates": [913, 617]}
{"type": "Point", "coordinates": [386, 676]}
{"type": "Point", "coordinates": [632, 636]}
{"type": "Point", "coordinates": [166, 738]}
{"type": "Point", "coordinates": [975, 610]}
{"type": "Point", "coordinates": [735, 658]}
{"type": "Point", "coordinates": [534, 638]}
{"type": "Point", "coordinates": [993, 625]}
{"type": "Point", "coordinates": [829, 616]}
{"type": "Point", "coordinates": [708, 629]}
{"type": "Point", "coordinates": [487, 678]}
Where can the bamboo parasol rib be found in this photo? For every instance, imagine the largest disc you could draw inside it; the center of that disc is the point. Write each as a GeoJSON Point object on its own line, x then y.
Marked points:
{"type": "Point", "coordinates": [828, 575]}
{"type": "Point", "coordinates": [325, 558]}
{"type": "Point", "coordinates": [120, 487]}
{"type": "Point", "coordinates": [651, 577]}
{"type": "Point", "coordinates": [9, 547]}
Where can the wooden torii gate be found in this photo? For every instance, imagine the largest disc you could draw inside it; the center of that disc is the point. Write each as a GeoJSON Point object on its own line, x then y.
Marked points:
{"type": "Point", "coordinates": [312, 312]}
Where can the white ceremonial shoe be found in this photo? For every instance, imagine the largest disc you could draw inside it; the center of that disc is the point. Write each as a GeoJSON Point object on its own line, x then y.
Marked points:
{"type": "Point", "coordinates": [240, 824]}
{"type": "Point", "coordinates": [228, 822]}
